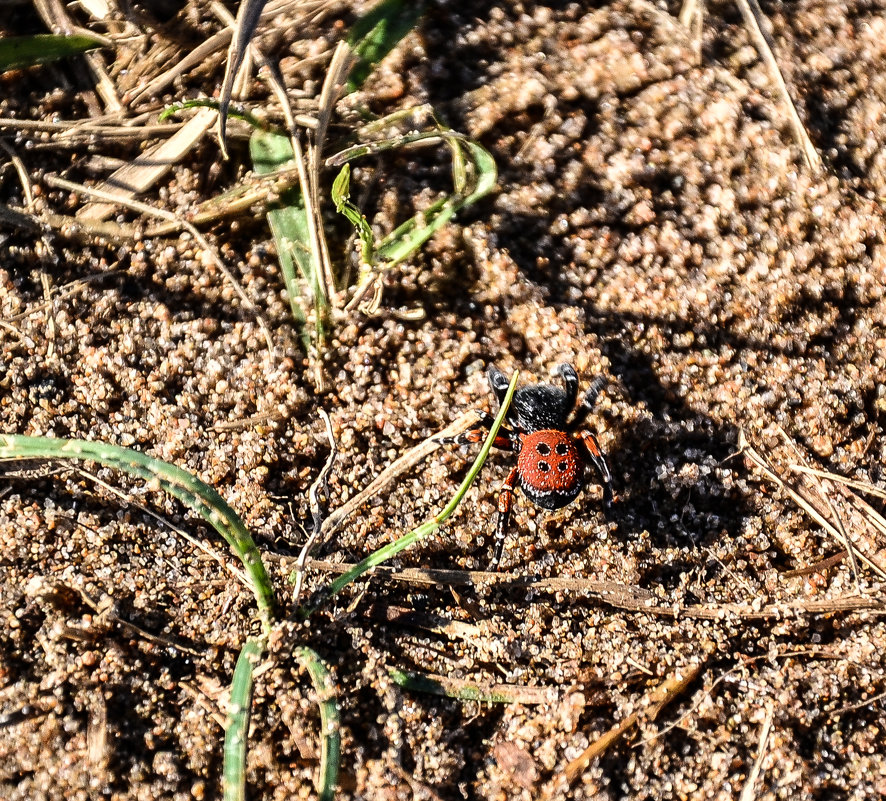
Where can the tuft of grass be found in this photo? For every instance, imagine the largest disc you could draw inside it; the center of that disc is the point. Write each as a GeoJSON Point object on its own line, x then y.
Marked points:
{"type": "Point", "coordinates": [296, 224]}
{"type": "Point", "coordinates": [417, 534]}
{"type": "Point", "coordinates": [19, 52]}
{"type": "Point", "coordinates": [474, 175]}
{"type": "Point", "coordinates": [204, 500]}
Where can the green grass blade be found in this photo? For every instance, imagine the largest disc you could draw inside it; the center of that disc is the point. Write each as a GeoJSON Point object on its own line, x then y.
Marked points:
{"type": "Point", "coordinates": [377, 32]}
{"type": "Point", "coordinates": [340, 196]}
{"type": "Point", "coordinates": [410, 236]}
{"type": "Point", "coordinates": [462, 690]}
{"type": "Point", "coordinates": [416, 535]}
{"type": "Point", "coordinates": [330, 736]}
{"type": "Point", "coordinates": [18, 52]}
{"type": "Point", "coordinates": [192, 492]}
{"type": "Point", "coordinates": [290, 227]}
{"type": "Point", "coordinates": [206, 102]}
{"type": "Point", "coordinates": [392, 143]}
{"type": "Point", "coordinates": [237, 726]}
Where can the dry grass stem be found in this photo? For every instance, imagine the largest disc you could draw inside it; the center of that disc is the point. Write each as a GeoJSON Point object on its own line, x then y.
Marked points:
{"type": "Point", "coordinates": [650, 706]}
{"type": "Point", "coordinates": [861, 486]}
{"type": "Point", "coordinates": [405, 463]}
{"type": "Point", "coordinates": [21, 171]}
{"type": "Point", "coordinates": [72, 229]}
{"type": "Point", "coordinates": [55, 15]}
{"type": "Point", "coordinates": [511, 693]}
{"type": "Point", "coordinates": [195, 57]}
{"type": "Point", "coordinates": [817, 567]}
{"type": "Point", "coordinates": [316, 512]}
{"type": "Point", "coordinates": [813, 497]}
{"type": "Point", "coordinates": [145, 170]}
{"type": "Point", "coordinates": [213, 554]}
{"type": "Point", "coordinates": [105, 613]}
{"type": "Point", "coordinates": [747, 792]}
{"type": "Point", "coordinates": [144, 208]}
{"type": "Point", "coordinates": [618, 596]}
{"type": "Point", "coordinates": [218, 42]}
{"type": "Point", "coordinates": [97, 737]}
{"type": "Point", "coordinates": [51, 328]}
{"type": "Point", "coordinates": [436, 624]}
{"type": "Point", "coordinates": [336, 76]}
{"type": "Point", "coordinates": [753, 15]}
{"type": "Point", "coordinates": [835, 516]}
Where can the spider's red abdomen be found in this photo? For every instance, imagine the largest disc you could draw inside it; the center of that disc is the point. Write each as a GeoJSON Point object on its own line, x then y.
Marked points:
{"type": "Point", "coordinates": [549, 468]}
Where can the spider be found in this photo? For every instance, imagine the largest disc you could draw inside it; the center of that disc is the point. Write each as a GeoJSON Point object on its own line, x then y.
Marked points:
{"type": "Point", "coordinates": [551, 453]}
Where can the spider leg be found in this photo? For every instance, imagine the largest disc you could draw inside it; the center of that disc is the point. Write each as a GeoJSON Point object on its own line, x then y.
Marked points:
{"type": "Point", "coordinates": [505, 498]}
{"type": "Point", "coordinates": [596, 457]}
{"type": "Point", "coordinates": [587, 402]}
{"type": "Point", "coordinates": [499, 383]}
{"type": "Point", "coordinates": [570, 379]}
{"type": "Point", "coordinates": [477, 433]}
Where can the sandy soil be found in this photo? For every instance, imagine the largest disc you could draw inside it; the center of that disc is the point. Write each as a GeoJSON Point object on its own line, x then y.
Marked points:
{"type": "Point", "coordinates": [655, 223]}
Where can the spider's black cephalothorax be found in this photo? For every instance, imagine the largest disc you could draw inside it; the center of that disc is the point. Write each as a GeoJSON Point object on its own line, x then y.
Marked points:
{"type": "Point", "coordinates": [551, 452]}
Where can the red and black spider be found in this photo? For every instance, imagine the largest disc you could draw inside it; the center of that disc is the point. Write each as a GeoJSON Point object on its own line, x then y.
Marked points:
{"type": "Point", "coordinates": [551, 453]}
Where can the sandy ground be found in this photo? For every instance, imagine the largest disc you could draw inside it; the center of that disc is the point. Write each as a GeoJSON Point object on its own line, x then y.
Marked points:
{"type": "Point", "coordinates": [654, 223]}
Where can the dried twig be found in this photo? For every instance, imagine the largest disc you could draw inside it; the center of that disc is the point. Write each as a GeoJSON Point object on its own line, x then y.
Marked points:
{"type": "Point", "coordinates": [316, 512]}
{"type": "Point", "coordinates": [753, 15]}
{"type": "Point", "coordinates": [618, 596]}
{"type": "Point", "coordinates": [747, 793]}
{"type": "Point", "coordinates": [650, 706]}
{"type": "Point", "coordinates": [242, 28]}
{"type": "Point", "coordinates": [406, 462]}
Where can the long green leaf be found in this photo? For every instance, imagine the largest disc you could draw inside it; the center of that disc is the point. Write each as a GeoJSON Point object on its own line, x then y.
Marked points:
{"type": "Point", "coordinates": [237, 726]}
{"type": "Point", "coordinates": [330, 736]}
{"type": "Point", "coordinates": [416, 535]}
{"type": "Point", "coordinates": [191, 491]}
{"type": "Point", "coordinates": [290, 227]}
{"type": "Point", "coordinates": [240, 711]}
{"type": "Point", "coordinates": [377, 32]}
{"type": "Point", "coordinates": [18, 52]}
